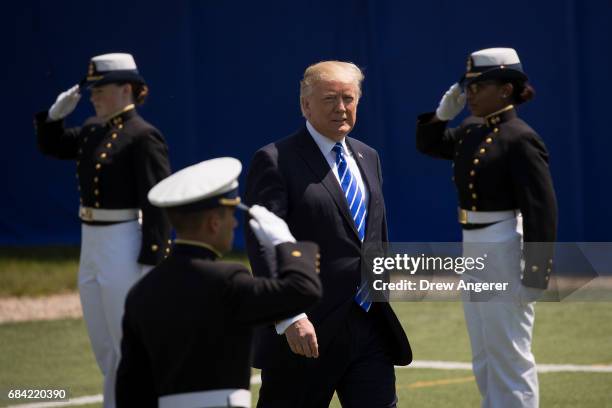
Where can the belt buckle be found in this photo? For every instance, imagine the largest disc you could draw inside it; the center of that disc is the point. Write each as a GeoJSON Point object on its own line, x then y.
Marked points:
{"type": "Point", "coordinates": [86, 214]}
{"type": "Point", "coordinates": [463, 216]}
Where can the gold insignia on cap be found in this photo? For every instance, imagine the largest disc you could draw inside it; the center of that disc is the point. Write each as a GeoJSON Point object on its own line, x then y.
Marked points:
{"type": "Point", "coordinates": [229, 201]}
{"type": "Point", "coordinates": [296, 254]}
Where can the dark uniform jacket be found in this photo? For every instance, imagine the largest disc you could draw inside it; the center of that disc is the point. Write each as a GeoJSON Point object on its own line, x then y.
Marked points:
{"type": "Point", "coordinates": [293, 179]}
{"type": "Point", "coordinates": [118, 162]}
{"type": "Point", "coordinates": [188, 323]}
{"type": "Point", "coordinates": [501, 164]}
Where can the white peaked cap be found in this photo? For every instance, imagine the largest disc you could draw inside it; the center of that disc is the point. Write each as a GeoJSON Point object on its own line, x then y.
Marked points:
{"type": "Point", "coordinates": [205, 185]}
{"type": "Point", "coordinates": [495, 56]}
{"type": "Point", "coordinates": [114, 62]}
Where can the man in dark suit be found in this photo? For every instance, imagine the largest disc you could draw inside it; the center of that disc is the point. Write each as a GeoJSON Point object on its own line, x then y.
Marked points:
{"type": "Point", "coordinates": [187, 325]}
{"type": "Point", "coordinates": [327, 186]}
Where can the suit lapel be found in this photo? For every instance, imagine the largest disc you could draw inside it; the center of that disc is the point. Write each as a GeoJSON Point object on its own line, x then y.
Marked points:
{"type": "Point", "coordinates": [314, 159]}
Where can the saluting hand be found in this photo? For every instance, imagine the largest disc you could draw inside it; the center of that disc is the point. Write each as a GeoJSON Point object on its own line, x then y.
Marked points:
{"type": "Point", "coordinates": [302, 338]}
{"type": "Point", "coordinates": [65, 103]}
{"type": "Point", "coordinates": [452, 103]}
{"type": "Point", "coordinates": [270, 231]}
{"type": "Point", "coordinates": [268, 227]}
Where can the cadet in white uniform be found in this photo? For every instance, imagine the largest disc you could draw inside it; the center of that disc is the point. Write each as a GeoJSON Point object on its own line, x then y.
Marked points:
{"type": "Point", "coordinates": [118, 157]}
{"type": "Point", "coordinates": [506, 201]}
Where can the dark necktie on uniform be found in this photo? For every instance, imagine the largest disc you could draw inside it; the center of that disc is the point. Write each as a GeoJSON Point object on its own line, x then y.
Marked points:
{"type": "Point", "coordinates": [355, 200]}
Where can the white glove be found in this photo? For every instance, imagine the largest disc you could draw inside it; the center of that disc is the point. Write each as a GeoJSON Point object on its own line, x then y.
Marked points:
{"type": "Point", "coordinates": [452, 103]}
{"type": "Point", "coordinates": [65, 103]}
{"type": "Point", "coordinates": [269, 228]}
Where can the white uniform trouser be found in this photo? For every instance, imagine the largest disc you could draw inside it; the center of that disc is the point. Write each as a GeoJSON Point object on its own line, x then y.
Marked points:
{"type": "Point", "coordinates": [108, 269]}
{"type": "Point", "coordinates": [501, 331]}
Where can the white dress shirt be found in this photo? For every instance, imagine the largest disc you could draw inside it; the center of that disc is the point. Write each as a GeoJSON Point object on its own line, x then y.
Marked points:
{"type": "Point", "coordinates": [326, 145]}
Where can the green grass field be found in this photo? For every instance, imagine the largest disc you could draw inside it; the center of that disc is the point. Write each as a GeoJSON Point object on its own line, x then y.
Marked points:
{"type": "Point", "coordinates": [42, 271]}
{"type": "Point", "coordinates": [56, 354]}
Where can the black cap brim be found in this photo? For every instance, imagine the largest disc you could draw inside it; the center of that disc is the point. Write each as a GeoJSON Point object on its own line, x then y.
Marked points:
{"type": "Point", "coordinates": [111, 77]}
{"type": "Point", "coordinates": [499, 74]}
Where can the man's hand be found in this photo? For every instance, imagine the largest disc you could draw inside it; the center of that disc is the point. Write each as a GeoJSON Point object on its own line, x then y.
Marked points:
{"type": "Point", "coordinates": [452, 103]}
{"type": "Point", "coordinates": [65, 103]}
{"type": "Point", "coordinates": [302, 338]}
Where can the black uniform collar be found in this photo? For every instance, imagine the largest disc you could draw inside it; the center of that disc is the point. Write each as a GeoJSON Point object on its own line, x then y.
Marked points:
{"type": "Point", "coordinates": [118, 118]}
{"type": "Point", "coordinates": [196, 249]}
{"type": "Point", "coordinates": [501, 116]}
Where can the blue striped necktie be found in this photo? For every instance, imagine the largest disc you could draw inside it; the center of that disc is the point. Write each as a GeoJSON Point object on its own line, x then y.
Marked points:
{"type": "Point", "coordinates": [356, 203]}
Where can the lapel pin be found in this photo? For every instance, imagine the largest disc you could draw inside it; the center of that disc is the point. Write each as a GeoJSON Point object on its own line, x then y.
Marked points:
{"type": "Point", "coordinates": [360, 155]}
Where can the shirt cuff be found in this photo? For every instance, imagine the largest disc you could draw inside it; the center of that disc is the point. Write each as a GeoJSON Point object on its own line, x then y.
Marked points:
{"type": "Point", "coordinates": [284, 324]}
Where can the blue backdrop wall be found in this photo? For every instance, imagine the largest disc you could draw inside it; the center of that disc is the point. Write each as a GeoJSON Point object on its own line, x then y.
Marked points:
{"type": "Point", "coordinates": [224, 81]}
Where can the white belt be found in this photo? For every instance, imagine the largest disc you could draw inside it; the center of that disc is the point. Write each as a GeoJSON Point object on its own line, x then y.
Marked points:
{"type": "Point", "coordinates": [226, 398]}
{"type": "Point", "coordinates": [485, 217]}
{"type": "Point", "coordinates": [102, 214]}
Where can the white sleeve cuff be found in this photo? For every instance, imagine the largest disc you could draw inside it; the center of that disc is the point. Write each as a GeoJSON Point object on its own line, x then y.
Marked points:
{"type": "Point", "coordinates": [284, 324]}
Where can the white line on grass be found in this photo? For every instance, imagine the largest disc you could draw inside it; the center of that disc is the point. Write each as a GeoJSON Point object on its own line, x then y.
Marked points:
{"type": "Point", "coordinates": [435, 365]}
{"type": "Point", "coordinates": [542, 368]}
{"type": "Point", "coordinates": [89, 399]}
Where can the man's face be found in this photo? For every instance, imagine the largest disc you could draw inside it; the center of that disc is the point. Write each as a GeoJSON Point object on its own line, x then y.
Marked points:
{"type": "Point", "coordinates": [486, 97]}
{"type": "Point", "coordinates": [331, 108]}
{"type": "Point", "coordinates": [109, 99]}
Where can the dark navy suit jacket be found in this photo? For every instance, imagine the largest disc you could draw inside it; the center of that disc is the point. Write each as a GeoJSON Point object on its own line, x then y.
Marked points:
{"type": "Point", "coordinates": [292, 178]}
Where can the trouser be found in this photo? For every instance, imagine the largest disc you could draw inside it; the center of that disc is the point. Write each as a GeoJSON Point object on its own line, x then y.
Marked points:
{"type": "Point", "coordinates": [356, 365]}
{"type": "Point", "coordinates": [108, 269]}
{"type": "Point", "coordinates": [501, 330]}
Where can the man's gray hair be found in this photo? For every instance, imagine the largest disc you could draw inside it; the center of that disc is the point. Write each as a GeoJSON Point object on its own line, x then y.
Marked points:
{"type": "Point", "coordinates": [330, 71]}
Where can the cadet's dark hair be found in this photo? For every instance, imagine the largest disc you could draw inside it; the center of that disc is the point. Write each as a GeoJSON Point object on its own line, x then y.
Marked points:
{"type": "Point", "coordinates": [185, 222]}
{"type": "Point", "coordinates": [139, 91]}
{"type": "Point", "coordinates": [522, 92]}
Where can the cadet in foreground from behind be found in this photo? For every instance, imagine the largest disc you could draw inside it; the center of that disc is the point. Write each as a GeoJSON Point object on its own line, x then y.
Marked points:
{"type": "Point", "coordinates": [188, 323]}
